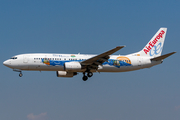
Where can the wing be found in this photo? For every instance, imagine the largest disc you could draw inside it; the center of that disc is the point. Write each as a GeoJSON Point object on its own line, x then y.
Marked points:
{"type": "Point", "coordinates": [100, 59]}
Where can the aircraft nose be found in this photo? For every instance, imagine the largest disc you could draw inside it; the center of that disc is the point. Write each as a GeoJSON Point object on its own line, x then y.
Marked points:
{"type": "Point", "coordinates": [6, 63]}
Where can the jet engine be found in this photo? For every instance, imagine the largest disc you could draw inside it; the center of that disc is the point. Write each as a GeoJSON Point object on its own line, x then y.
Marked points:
{"type": "Point", "coordinates": [65, 74]}
{"type": "Point", "coordinates": [70, 66]}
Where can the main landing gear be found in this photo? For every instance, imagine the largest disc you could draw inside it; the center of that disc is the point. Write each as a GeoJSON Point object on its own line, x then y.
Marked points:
{"type": "Point", "coordinates": [89, 74]}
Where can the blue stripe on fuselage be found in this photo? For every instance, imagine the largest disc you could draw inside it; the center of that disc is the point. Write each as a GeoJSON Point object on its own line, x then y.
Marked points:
{"type": "Point", "coordinates": [111, 62]}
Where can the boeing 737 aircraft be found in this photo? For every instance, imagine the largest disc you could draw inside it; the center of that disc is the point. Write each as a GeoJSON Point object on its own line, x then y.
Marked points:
{"type": "Point", "coordinates": [68, 65]}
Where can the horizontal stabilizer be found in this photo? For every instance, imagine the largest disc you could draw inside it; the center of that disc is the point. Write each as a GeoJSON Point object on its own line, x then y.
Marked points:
{"type": "Point", "coordinates": [163, 56]}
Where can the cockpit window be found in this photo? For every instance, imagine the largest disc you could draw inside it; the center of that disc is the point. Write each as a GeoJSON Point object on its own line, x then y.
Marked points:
{"type": "Point", "coordinates": [13, 58]}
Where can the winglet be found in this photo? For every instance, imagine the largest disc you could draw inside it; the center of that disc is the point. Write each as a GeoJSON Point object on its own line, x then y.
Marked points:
{"type": "Point", "coordinates": [120, 47]}
{"type": "Point", "coordinates": [163, 56]}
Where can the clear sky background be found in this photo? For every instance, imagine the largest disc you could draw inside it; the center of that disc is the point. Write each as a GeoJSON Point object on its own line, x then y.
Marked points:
{"type": "Point", "coordinates": [89, 27]}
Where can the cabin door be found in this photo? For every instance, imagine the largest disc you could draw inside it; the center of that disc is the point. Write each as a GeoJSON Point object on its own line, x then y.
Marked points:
{"type": "Point", "coordinates": [25, 59]}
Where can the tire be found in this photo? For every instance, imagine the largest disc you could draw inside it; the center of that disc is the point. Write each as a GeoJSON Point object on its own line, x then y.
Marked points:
{"type": "Point", "coordinates": [20, 74]}
{"type": "Point", "coordinates": [85, 78]}
{"type": "Point", "coordinates": [90, 74]}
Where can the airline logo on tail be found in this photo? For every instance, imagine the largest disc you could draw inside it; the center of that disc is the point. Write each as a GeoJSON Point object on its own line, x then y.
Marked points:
{"type": "Point", "coordinates": [152, 43]}
{"type": "Point", "coordinates": [156, 49]}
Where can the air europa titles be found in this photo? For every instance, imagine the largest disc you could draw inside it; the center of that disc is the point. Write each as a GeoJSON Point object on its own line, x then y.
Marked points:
{"type": "Point", "coordinates": [152, 43]}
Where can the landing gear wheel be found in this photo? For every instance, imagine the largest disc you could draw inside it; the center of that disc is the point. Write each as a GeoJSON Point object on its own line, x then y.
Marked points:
{"type": "Point", "coordinates": [20, 74]}
{"type": "Point", "coordinates": [85, 78]}
{"type": "Point", "coordinates": [90, 74]}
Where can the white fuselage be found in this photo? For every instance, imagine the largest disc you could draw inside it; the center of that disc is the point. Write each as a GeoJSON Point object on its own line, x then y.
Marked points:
{"type": "Point", "coordinates": [35, 62]}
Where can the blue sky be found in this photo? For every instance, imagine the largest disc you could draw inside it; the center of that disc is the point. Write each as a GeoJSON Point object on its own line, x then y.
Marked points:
{"type": "Point", "coordinates": [89, 27]}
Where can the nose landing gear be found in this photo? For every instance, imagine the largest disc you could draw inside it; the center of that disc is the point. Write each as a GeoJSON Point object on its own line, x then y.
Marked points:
{"type": "Point", "coordinates": [20, 74]}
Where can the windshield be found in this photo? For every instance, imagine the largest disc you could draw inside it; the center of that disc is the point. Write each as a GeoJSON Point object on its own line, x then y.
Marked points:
{"type": "Point", "coordinates": [13, 58]}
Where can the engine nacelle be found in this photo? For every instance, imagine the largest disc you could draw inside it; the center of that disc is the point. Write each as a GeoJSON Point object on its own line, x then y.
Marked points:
{"type": "Point", "coordinates": [65, 74]}
{"type": "Point", "coordinates": [70, 66]}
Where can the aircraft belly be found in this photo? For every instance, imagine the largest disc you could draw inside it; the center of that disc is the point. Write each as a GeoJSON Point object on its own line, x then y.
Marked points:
{"type": "Point", "coordinates": [107, 68]}
{"type": "Point", "coordinates": [21, 67]}
{"type": "Point", "coordinates": [45, 67]}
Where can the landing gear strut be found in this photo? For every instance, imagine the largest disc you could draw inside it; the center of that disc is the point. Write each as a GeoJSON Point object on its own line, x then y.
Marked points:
{"type": "Point", "coordinates": [20, 74]}
{"type": "Point", "coordinates": [89, 74]}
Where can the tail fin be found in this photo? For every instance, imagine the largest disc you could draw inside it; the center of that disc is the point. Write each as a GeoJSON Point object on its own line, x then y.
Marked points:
{"type": "Point", "coordinates": [155, 45]}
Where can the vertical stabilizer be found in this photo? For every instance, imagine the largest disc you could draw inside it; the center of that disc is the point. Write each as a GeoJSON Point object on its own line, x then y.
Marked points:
{"type": "Point", "coordinates": [155, 46]}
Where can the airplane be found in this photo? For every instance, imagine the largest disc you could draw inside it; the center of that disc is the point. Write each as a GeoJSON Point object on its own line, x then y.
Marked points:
{"type": "Point", "coordinates": [69, 65]}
